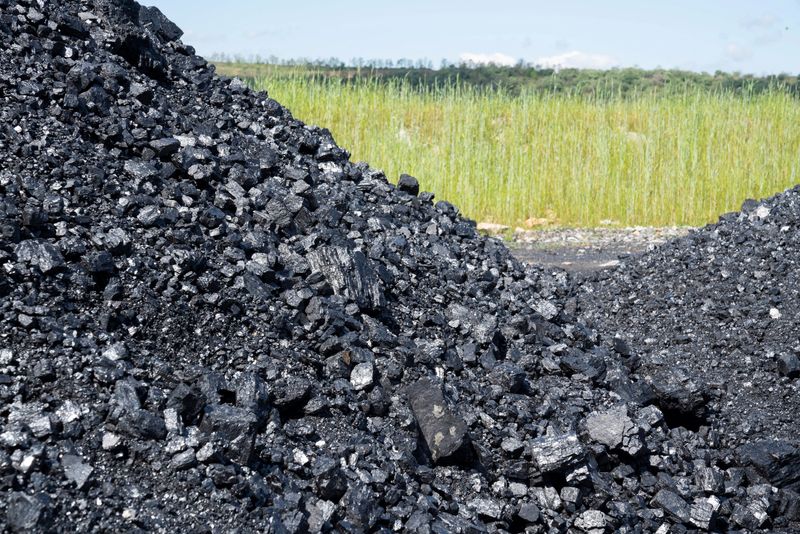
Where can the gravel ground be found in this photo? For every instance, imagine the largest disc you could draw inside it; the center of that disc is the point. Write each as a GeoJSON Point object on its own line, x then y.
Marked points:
{"type": "Point", "coordinates": [588, 249]}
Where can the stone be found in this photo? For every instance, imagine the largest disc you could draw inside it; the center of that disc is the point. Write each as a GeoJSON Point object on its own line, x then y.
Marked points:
{"type": "Point", "coordinates": [111, 441]}
{"type": "Point", "coordinates": [529, 512]}
{"type": "Point", "coordinates": [26, 513]}
{"type": "Point", "coordinates": [615, 429]}
{"type": "Point", "coordinates": [444, 433]}
{"type": "Point", "coordinates": [76, 470]}
{"type": "Point", "coordinates": [592, 522]}
{"type": "Point", "coordinates": [673, 504]}
{"type": "Point", "coordinates": [557, 453]}
{"type": "Point", "coordinates": [362, 376]}
{"type": "Point", "coordinates": [40, 254]}
{"type": "Point", "coordinates": [408, 184]}
{"type": "Point", "coordinates": [233, 428]}
{"type": "Point", "coordinates": [789, 365]}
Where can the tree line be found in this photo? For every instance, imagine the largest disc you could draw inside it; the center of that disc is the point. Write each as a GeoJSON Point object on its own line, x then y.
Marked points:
{"type": "Point", "coordinates": [527, 77]}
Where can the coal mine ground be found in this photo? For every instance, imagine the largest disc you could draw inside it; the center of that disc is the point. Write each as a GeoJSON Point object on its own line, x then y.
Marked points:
{"type": "Point", "coordinates": [212, 320]}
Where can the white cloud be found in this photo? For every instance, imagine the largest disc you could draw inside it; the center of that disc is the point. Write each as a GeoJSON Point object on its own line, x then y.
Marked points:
{"type": "Point", "coordinates": [767, 29]}
{"type": "Point", "coordinates": [577, 60]}
{"type": "Point", "coordinates": [737, 52]}
{"type": "Point", "coordinates": [764, 22]}
{"type": "Point", "coordinates": [487, 59]}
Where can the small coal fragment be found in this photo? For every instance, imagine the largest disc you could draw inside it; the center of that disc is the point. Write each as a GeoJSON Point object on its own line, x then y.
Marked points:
{"type": "Point", "coordinates": [445, 434]}
{"type": "Point", "coordinates": [362, 376]}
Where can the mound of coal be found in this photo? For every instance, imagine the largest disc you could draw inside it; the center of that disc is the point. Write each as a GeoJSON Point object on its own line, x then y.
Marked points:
{"type": "Point", "coordinates": [723, 306]}
{"type": "Point", "coordinates": [212, 320]}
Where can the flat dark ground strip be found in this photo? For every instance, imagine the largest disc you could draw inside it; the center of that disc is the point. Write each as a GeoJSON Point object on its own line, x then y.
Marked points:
{"type": "Point", "coordinates": [587, 250]}
{"type": "Point", "coordinates": [572, 258]}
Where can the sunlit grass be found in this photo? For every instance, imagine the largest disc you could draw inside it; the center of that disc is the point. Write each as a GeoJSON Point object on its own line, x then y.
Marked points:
{"type": "Point", "coordinates": [577, 161]}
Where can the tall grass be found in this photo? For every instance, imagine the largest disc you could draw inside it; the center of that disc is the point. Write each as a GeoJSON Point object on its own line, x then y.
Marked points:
{"type": "Point", "coordinates": [575, 160]}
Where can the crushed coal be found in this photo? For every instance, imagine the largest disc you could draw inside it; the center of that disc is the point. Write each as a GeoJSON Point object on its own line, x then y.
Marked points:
{"type": "Point", "coordinates": [213, 320]}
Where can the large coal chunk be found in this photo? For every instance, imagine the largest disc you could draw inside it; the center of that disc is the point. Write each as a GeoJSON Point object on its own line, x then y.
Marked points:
{"type": "Point", "coordinates": [26, 513]}
{"type": "Point", "coordinates": [673, 504]}
{"type": "Point", "coordinates": [349, 273]}
{"type": "Point", "coordinates": [153, 18]}
{"type": "Point", "coordinates": [682, 398]}
{"type": "Point", "coordinates": [776, 461]}
{"type": "Point", "coordinates": [143, 424]}
{"type": "Point", "coordinates": [615, 429]}
{"type": "Point", "coordinates": [408, 184]}
{"type": "Point", "coordinates": [234, 429]}
{"type": "Point", "coordinates": [557, 453]}
{"type": "Point", "coordinates": [40, 254]}
{"type": "Point", "coordinates": [444, 433]}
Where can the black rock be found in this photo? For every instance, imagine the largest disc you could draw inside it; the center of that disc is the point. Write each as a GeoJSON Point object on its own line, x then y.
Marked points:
{"type": "Point", "coordinates": [350, 274]}
{"type": "Point", "coordinates": [408, 184]}
{"type": "Point", "coordinates": [557, 453]}
{"type": "Point", "coordinates": [443, 432]}
{"type": "Point", "coordinates": [673, 504]}
{"type": "Point", "coordinates": [40, 254]}
{"type": "Point", "coordinates": [233, 428]}
{"type": "Point", "coordinates": [25, 513]}
{"type": "Point", "coordinates": [165, 147]}
{"type": "Point", "coordinates": [143, 424]}
{"type": "Point", "coordinates": [776, 461]}
{"type": "Point", "coordinates": [789, 365]}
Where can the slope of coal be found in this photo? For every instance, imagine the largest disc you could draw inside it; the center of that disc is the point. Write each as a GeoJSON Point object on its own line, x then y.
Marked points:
{"type": "Point", "coordinates": [723, 305]}
{"type": "Point", "coordinates": [213, 321]}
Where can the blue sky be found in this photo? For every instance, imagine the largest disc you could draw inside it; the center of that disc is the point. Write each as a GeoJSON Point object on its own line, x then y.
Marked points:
{"type": "Point", "coordinates": [754, 36]}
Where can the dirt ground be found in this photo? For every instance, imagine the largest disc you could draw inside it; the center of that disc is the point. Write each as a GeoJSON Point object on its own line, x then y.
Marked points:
{"type": "Point", "coordinates": [585, 250]}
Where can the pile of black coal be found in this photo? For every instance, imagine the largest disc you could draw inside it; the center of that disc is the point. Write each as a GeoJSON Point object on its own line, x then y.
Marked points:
{"type": "Point", "coordinates": [714, 319]}
{"type": "Point", "coordinates": [212, 320]}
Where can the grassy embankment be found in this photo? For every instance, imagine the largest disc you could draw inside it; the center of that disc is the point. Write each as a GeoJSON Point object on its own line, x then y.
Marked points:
{"type": "Point", "coordinates": [573, 160]}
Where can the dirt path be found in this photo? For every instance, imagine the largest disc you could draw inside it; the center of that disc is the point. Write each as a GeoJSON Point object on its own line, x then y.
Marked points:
{"type": "Point", "coordinates": [585, 250]}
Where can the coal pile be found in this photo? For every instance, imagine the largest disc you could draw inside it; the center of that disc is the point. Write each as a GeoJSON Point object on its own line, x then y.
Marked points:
{"type": "Point", "coordinates": [212, 320]}
{"type": "Point", "coordinates": [720, 311]}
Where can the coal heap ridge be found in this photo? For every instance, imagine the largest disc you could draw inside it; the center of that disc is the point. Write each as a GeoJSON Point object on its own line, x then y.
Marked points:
{"type": "Point", "coordinates": [213, 320]}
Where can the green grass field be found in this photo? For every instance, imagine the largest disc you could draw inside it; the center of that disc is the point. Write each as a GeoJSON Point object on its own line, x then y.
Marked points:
{"type": "Point", "coordinates": [571, 160]}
